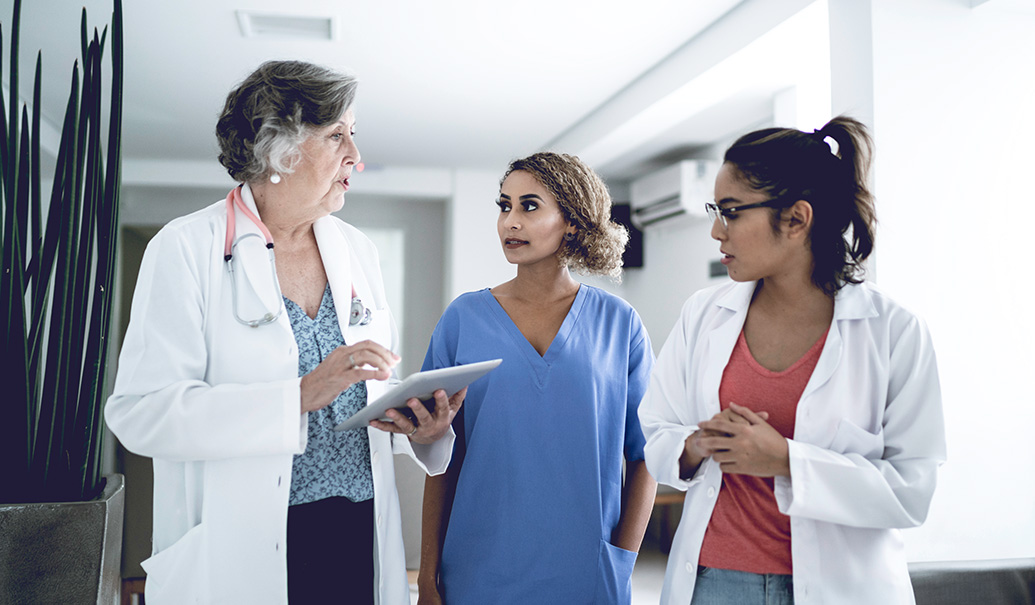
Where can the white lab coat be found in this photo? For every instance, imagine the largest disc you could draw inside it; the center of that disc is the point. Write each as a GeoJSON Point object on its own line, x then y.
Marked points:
{"type": "Point", "coordinates": [868, 438]}
{"type": "Point", "coordinates": [216, 405]}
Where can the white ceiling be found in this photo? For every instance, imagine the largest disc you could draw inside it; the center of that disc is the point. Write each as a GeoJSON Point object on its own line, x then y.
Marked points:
{"type": "Point", "coordinates": [451, 83]}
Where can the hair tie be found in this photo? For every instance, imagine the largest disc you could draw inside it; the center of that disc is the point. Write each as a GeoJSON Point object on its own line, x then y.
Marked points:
{"type": "Point", "coordinates": [827, 140]}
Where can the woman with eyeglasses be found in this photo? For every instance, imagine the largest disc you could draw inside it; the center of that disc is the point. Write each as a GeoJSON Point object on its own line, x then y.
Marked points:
{"type": "Point", "coordinates": [798, 407]}
{"type": "Point", "coordinates": [238, 363]}
{"type": "Point", "coordinates": [535, 507]}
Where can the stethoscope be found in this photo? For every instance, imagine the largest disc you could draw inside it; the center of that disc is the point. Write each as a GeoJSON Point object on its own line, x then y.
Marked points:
{"type": "Point", "coordinates": [358, 315]}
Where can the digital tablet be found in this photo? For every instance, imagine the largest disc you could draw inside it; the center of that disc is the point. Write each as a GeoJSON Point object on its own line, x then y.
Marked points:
{"type": "Point", "coordinates": [421, 385]}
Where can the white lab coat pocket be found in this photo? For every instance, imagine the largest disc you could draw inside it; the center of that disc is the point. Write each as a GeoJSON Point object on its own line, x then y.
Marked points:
{"type": "Point", "coordinates": [378, 329]}
{"type": "Point", "coordinates": [853, 439]}
{"type": "Point", "coordinates": [179, 574]}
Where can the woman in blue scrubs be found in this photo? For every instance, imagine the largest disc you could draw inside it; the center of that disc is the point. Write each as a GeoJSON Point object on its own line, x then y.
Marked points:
{"type": "Point", "coordinates": [533, 508]}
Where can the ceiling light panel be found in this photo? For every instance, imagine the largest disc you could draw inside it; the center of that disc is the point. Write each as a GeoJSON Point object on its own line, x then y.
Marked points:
{"type": "Point", "coordinates": [255, 24]}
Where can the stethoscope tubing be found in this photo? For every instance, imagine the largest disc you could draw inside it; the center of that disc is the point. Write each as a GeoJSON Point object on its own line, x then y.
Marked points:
{"type": "Point", "coordinates": [359, 315]}
{"type": "Point", "coordinates": [235, 202]}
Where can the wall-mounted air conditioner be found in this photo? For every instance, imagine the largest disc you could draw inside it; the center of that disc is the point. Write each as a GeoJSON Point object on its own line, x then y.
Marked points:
{"type": "Point", "coordinates": [680, 189]}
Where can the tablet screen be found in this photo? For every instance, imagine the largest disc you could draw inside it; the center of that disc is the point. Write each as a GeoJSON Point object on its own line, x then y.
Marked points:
{"type": "Point", "coordinates": [421, 385]}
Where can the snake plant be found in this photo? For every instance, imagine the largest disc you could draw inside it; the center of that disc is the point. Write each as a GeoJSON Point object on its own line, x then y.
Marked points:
{"type": "Point", "coordinates": [58, 275]}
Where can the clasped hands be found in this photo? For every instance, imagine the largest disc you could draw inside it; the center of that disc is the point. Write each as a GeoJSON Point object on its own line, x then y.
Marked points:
{"type": "Point", "coordinates": [742, 442]}
{"type": "Point", "coordinates": [367, 360]}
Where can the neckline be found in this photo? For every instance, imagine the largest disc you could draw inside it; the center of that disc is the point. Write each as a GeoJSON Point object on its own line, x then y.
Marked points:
{"type": "Point", "coordinates": [324, 304]}
{"type": "Point", "coordinates": [814, 352]}
{"type": "Point", "coordinates": [559, 339]}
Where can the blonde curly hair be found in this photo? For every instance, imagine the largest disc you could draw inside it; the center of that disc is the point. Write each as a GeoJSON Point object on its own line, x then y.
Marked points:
{"type": "Point", "coordinates": [586, 203]}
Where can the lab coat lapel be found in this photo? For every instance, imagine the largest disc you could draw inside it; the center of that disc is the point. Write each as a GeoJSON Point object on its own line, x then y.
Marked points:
{"type": "Point", "coordinates": [852, 302]}
{"type": "Point", "coordinates": [345, 271]}
{"type": "Point", "coordinates": [337, 263]}
{"type": "Point", "coordinates": [256, 267]}
{"type": "Point", "coordinates": [723, 338]}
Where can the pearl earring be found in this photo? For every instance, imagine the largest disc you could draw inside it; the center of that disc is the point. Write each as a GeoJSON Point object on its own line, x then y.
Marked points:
{"type": "Point", "coordinates": [274, 178]}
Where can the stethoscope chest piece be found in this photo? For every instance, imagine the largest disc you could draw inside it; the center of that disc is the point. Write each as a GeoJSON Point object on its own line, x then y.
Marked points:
{"type": "Point", "coordinates": [359, 315]}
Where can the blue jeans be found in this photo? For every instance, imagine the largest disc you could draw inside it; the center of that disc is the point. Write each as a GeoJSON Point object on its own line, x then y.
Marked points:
{"type": "Point", "coordinates": [728, 587]}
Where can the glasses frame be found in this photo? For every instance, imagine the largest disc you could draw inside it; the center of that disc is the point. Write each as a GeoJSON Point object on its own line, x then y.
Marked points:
{"type": "Point", "coordinates": [718, 213]}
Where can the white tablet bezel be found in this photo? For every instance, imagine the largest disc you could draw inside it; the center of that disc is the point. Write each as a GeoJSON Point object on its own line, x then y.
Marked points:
{"type": "Point", "coordinates": [421, 385]}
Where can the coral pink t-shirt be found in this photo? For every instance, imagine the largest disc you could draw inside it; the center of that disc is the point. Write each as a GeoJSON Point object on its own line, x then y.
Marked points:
{"type": "Point", "coordinates": [747, 532]}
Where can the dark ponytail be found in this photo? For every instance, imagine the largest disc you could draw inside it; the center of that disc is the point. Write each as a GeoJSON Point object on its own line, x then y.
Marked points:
{"type": "Point", "coordinates": [792, 165]}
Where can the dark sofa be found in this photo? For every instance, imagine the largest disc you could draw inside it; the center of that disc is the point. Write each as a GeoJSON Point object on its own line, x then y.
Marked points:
{"type": "Point", "coordinates": [991, 582]}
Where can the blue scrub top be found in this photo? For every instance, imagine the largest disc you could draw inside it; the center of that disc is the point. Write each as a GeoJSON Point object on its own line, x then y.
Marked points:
{"type": "Point", "coordinates": [542, 440]}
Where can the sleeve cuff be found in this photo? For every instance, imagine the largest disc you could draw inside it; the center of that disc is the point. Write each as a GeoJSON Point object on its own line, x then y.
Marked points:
{"type": "Point", "coordinates": [432, 458]}
{"type": "Point", "coordinates": [783, 487]}
{"type": "Point", "coordinates": [664, 451]}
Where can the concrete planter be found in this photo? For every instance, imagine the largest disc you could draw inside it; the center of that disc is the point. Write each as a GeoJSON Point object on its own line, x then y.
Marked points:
{"type": "Point", "coordinates": [66, 552]}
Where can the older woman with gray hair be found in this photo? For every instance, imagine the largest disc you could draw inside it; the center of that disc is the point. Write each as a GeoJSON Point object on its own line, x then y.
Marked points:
{"type": "Point", "coordinates": [238, 364]}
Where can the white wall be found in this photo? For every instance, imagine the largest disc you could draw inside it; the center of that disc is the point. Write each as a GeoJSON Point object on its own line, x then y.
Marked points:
{"type": "Point", "coordinates": [676, 254]}
{"type": "Point", "coordinates": [474, 257]}
{"type": "Point", "coordinates": [948, 92]}
{"type": "Point", "coordinates": [954, 122]}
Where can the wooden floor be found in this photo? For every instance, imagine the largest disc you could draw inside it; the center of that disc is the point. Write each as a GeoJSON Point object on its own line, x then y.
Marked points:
{"type": "Point", "coordinates": [132, 591]}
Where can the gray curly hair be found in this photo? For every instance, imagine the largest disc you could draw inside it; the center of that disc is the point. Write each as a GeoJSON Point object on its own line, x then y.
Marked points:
{"type": "Point", "coordinates": [268, 116]}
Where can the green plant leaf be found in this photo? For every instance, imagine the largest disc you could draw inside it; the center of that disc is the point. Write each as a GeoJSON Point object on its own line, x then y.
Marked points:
{"type": "Point", "coordinates": [35, 214]}
{"type": "Point", "coordinates": [4, 154]}
{"type": "Point", "coordinates": [107, 239]}
{"type": "Point", "coordinates": [57, 278]}
{"type": "Point", "coordinates": [12, 86]}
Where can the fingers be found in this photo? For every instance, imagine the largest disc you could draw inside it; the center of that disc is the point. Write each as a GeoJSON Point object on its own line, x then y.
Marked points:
{"type": "Point", "coordinates": [724, 458]}
{"type": "Point", "coordinates": [735, 413]}
{"type": "Point", "coordinates": [747, 413]}
{"type": "Point", "coordinates": [712, 445]}
{"type": "Point", "coordinates": [320, 387]}
{"type": "Point", "coordinates": [457, 400]}
{"type": "Point", "coordinates": [706, 442]}
{"type": "Point", "coordinates": [445, 407]}
{"type": "Point", "coordinates": [696, 448]}
{"type": "Point", "coordinates": [421, 429]}
{"type": "Point", "coordinates": [421, 411]}
{"type": "Point", "coordinates": [398, 424]}
{"type": "Point", "coordinates": [427, 426]}
{"type": "Point", "coordinates": [730, 416]}
{"type": "Point", "coordinates": [723, 426]}
{"type": "Point", "coordinates": [369, 353]}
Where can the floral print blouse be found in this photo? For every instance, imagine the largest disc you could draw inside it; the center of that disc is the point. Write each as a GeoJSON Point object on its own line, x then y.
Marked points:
{"type": "Point", "coordinates": [333, 464]}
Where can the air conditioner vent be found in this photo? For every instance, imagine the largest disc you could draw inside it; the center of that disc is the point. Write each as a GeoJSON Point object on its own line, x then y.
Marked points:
{"type": "Point", "coordinates": [682, 188]}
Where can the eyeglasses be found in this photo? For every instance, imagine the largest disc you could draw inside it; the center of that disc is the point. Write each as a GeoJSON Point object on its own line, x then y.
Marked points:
{"type": "Point", "coordinates": [717, 213]}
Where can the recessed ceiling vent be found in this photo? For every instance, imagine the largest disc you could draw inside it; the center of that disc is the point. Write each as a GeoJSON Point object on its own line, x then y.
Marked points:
{"type": "Point", "coordinates": [278, 25]}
